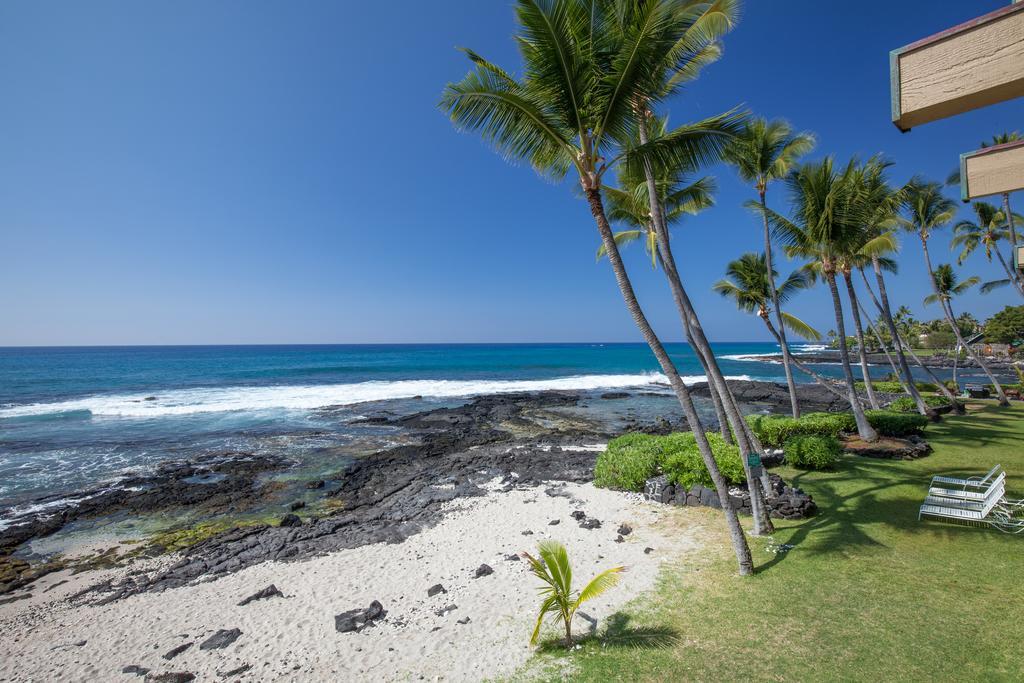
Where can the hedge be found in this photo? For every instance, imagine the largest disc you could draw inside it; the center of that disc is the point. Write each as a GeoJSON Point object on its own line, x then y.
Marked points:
{"type": "Point", "coordinates": [893, 387]}
{"type": "Point", "coordinates": [888, 423]}
{"type": "Point", "coordinates": [906, 404]}
{"type": "Point", "coordinates": [812, 452]}
{"type": "Point", "coordinates": [775, 430]}
{"type": "Point", "coordinates": [632, 459]}
{"type": "Point", "coordinates": [685, 467]}
{"type": "Point", "coordinates": [628, 462]}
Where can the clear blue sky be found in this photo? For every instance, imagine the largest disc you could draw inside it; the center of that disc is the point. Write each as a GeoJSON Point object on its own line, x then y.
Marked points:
{"type": "Point", "coordinates": [260, 172]}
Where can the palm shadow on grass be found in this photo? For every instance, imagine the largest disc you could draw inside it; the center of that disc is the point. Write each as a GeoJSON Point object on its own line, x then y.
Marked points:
{"type": "Point", "coordinates": [865, 494]}
{"type": "Point", "coordinates": [618, 633]}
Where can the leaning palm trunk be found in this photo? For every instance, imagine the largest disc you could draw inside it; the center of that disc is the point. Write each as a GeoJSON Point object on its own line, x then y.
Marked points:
{"type": "Point", "coordinates": [739, 542]}
{"type": "Point", "coordinates": [786, 359]}
{"type": "Point", "coordinates": [861, 346]}
{"type": "Point", "coordinates": [882, 345]}
{"type": "Point", "coordinates": [864, 428]}
{"type": "Point", "coordinates": [695, 333]}
{"type": "Point", "coordinates": [1013, 277]}
{"type": "Point", "coordinates": [716, 402]}
{"type": "Point", "coordinates": [803, 368]}
{"type": "Point", "coordinates": [947, 310]}
{"type": "Point", "coordinates": [883, 307]}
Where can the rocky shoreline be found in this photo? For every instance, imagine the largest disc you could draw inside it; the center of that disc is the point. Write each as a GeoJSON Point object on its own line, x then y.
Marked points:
{"type": "Point", "coordinates": [384, 497]}
{"type": "Point", "coordinates": [879, 359]}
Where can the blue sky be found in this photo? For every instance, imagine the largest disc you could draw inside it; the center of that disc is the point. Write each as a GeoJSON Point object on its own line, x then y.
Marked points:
{"type": "Point", "coordinates": [269, 172]}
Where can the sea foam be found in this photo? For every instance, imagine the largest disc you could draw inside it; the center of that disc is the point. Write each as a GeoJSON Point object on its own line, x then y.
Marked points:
{"type": "Point", "coordinates": [311, 397]}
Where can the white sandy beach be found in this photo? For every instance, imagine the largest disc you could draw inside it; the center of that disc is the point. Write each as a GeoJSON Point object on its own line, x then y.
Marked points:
{"type": "Point", "coordinates": [294, 638]}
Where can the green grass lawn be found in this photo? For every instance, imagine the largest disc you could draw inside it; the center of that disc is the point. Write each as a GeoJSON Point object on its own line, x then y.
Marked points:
{"type": "Point", "coordinates": [867, 592]}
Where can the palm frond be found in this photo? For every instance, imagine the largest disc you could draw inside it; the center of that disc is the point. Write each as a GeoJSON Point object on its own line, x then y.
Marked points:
{"type": "Point", "coordinates": [599, 584]}
{"type": "Point", "coordinates": [800, 328]}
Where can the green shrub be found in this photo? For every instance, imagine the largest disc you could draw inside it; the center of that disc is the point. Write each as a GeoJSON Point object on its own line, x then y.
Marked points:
{"type": "Point", "coordinates": [628, 462]}
{"type": "Point", "coordinates": [926, 386]}
{"type": "Point", "coordinates": [906, 404]}
{"type": "Point", "coordinates": [888, 423]}
{"type": "Point", "coordinates": [812, 452]}
{"type": "Point", "coordinates": [775, 430]}
{"type": "Point", "coordinates": [883, 386]}
{"type": "Point", "coordinates": [685, 467]}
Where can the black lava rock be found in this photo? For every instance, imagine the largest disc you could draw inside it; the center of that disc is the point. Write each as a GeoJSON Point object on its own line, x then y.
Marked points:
{"type": "Point", "coordinates": [483, 570]}
{"type": "Point", "coordinates": [220, 639]}
{"type": "Point", "coordinates": [625, 530]}
{"type": "Point", "coordinates": [578, 515]}
{"type": "Point", "coordinates": [171, 677]}
{"type": "Point", "coordinates": [135, 669]}
{"type": "Point", "coordinates": [270, 591]}
{"type": "Point", "coordinates": [235, 672]}
{"type": "Point", "coordinates": [435, 589]}
{"type": "Point", "coordinates": [554, 522]}
{"type": "Point", "coordinates": [290, 520]}
{"type": "Point", "coordinates": [171, 654]}
{"type": "Point", "coordinates": [590, 524]}
{"type": "Point", "coordinates": [358, 619]}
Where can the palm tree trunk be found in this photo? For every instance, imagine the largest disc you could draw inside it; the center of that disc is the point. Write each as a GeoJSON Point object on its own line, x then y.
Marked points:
{"type": "Point", "coordinates": [864, 428]}
{"type": "Point", "coordinates": [695, 333]}
{"type": "Point", "coordinates": [883, 307]}
{"type": "Point", "coordinates": [861, 346]}
{"type": "Point", "coordinates": [1009, 219]}
{"type": "Point", "coordinates": [739, 541]}
{"type": "Point", "coordinates": [882, 345]}
{"type": "Point", "coordinates": [1013, 277]}
{"type": "Point", "coordinates": [803, 368]}
{"type": "Point", "coordinates": [716, 402]}
{"type": "Point", "coordinates": [947, 310]}
{"type": "Point", "coordinates": [794, 404]}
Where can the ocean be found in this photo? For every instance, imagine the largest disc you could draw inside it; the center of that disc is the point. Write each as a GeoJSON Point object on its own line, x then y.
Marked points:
{"type": "Point", "coordinates": [73, 418]}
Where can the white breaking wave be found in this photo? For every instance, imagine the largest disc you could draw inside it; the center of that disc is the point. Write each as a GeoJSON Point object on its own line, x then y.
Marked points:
{"type": "Point", "coordinates": [311, 397]}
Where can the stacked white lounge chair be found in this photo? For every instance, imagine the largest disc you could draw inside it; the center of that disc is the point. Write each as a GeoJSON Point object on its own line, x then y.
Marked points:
{"type": "Point", "coordinates": [974, 501]}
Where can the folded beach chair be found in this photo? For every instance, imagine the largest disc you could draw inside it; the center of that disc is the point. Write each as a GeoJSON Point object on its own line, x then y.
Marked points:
{"type": "Point", "coordinates": [992, 509]}
{"type": "Point", "coordinates": [968, 491]}
{"type": "Point", "coordinates": [974, 482]}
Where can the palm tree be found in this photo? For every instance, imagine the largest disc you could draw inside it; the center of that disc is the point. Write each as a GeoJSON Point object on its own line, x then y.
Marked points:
{"type": "Point", "coordinates": [700, 26]}
{"type": "Point", "coordinates": [553, 568]}
{"type": "Point", "coordinates": [825, 227]}
{"type": "Point", "coordinates": [765, 151]}
{"type": "Point", "coordinates": [879, 205]}
{"type": "Point", "coordinates": [746, 283]}
{"type": "Point", "coordinates": [928, 210]}
{"type": "Point", "coordinates": [988, 231]}
{"type": "Point", "coordinates": [1008, 215]}
{"type": "Point", "coordinates": [573, 110]}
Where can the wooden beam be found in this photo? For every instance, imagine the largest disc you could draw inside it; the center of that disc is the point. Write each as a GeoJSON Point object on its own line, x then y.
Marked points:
{"type": "Point", "coordinates": [992, 170]}
{"type": "Point", "coordinates": [975, 64]}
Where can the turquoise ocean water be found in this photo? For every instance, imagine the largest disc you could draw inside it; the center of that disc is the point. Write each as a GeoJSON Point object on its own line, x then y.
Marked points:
{"type": "Point", "coordinates": [74, 417]}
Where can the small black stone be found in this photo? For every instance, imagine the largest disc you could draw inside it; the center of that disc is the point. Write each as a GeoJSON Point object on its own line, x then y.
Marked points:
{"type": "Point", "coordinates": [619, 539]}
{"type": "Point", "coordinates": [463, 620]}
{"type": "Point", "coordinates": [135, 669]}
{"type": "Point", "coordinates": [648, 551]}
{"type": "Point", "coordinates": [578, 515]}
{"type": "Point", "coordinates": [171, 677]}
{"type": "Point", "coordinates": [235, 672]}
{"type": "Point", "coordinates": [268, 592]}
{"type": "Point", "coordinates": [220, 639]}
{"type": "Point", "coordinates": [290, 520]}
{"type": "Point", "coordinates": [512, 558]}
{"type": "Point", "coordinates": [590, 524]}
{"type": "Point", "coordinates": [625, 530]}
{"type": "Point", "coordinates": [483, 570]}
{"type": "Point", "coordinates": [171, 654]}
{"type": "Point", "coordinates": [554, 522]}
{"type": "Point", "coordinates": [527, 533]}
{"type": "Point", "coordinates": [445, 610]}
{"type": "Point", "coordinates": [435, 589]}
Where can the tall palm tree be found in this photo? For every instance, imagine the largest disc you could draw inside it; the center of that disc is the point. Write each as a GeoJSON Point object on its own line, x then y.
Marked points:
{"type": "Point", "coordinates": [1008, 215]}
{"type": "Point", "coordinates": [700, 26]}
{"type": "Point", "coordinates": [629, 203]}
{"type": "Point", "coordinates": [763, 152]}
{"type": "Point", "coordinates": [573, 110]}
{"type": "Point", "coordinates": [988, 230]}
{"type": "Point", "coordinates": [879, 205]}
{"type": "Point", "coordinates": [928, 210]}
{"type": "Point", "coordinates": [825, 226]}
{"type": "Point", "coordinates": [746, 283]}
